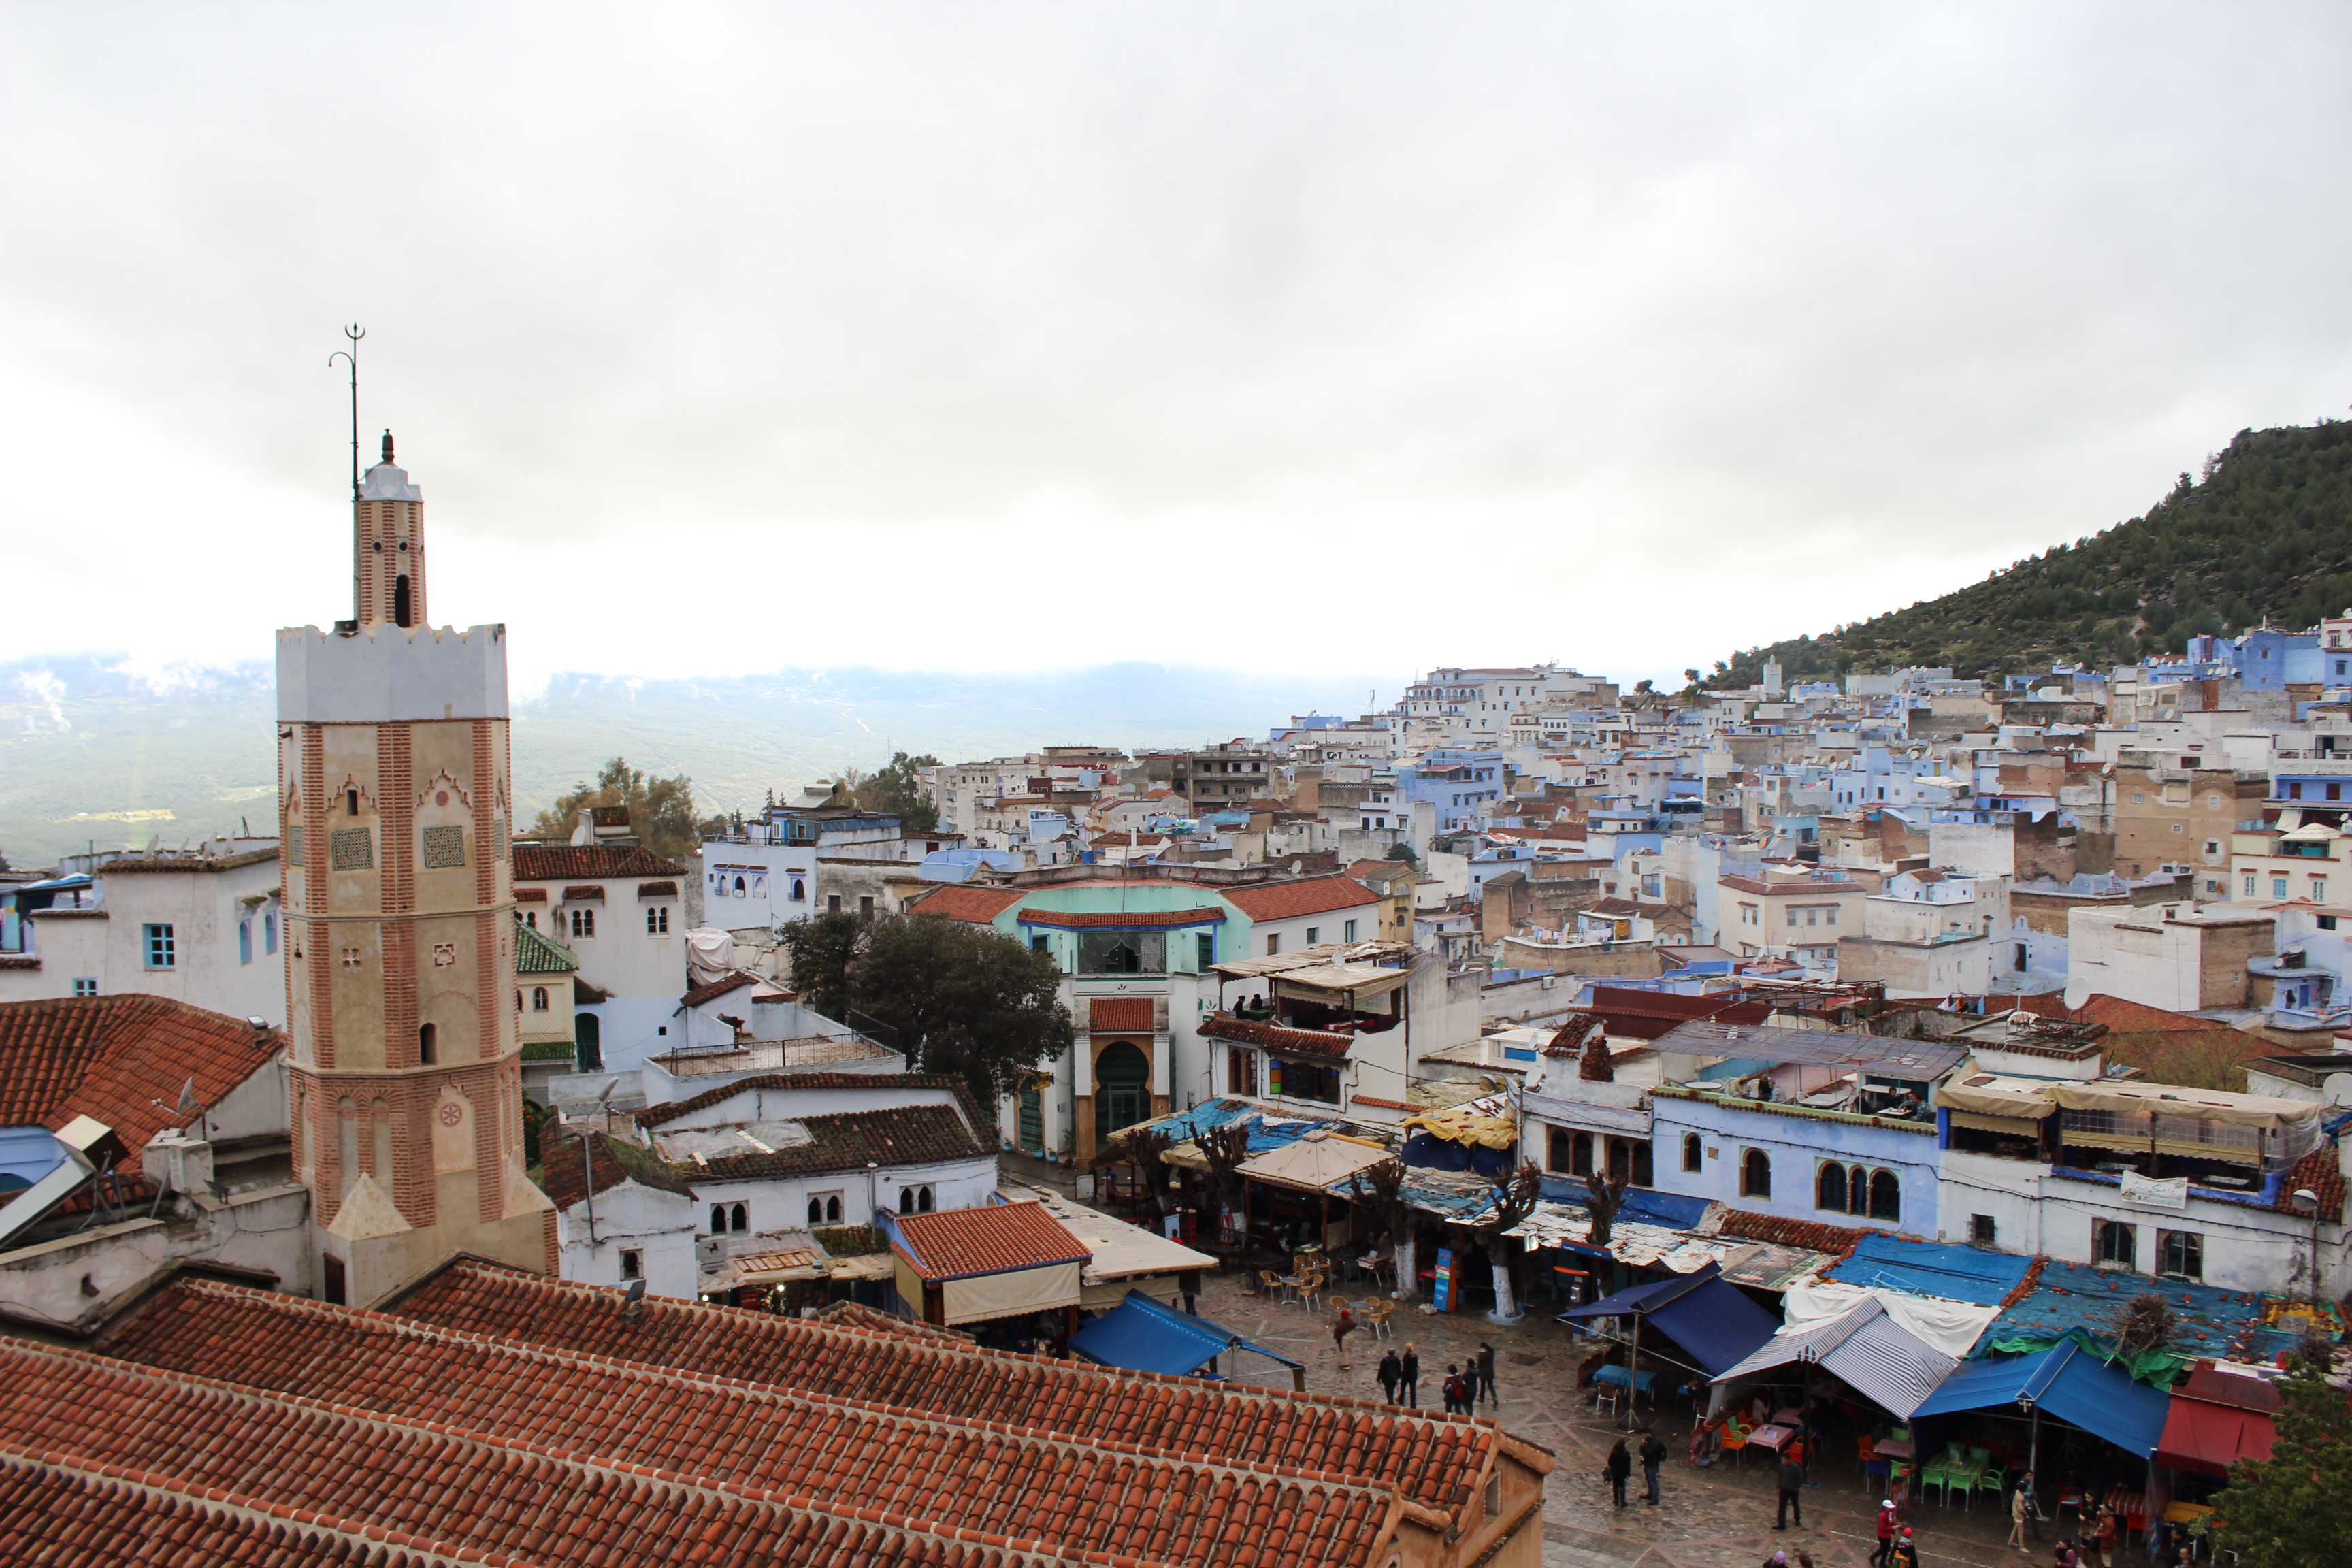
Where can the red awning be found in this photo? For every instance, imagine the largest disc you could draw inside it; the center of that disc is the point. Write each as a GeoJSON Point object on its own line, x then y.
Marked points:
{"type": "Point", "coordinates": [2210, 1439]}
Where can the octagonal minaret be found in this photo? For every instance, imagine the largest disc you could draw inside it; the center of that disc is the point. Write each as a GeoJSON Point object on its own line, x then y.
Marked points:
{"type": "Point", "coordinates": [394, 794]}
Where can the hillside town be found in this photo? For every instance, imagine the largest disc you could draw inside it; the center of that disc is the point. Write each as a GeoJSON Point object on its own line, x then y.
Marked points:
{"type": "Point", "coordinates": [1937, 1086]}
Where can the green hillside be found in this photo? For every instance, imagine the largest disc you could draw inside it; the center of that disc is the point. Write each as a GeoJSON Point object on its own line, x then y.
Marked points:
{"type": "Point", "coordinates": [2267, 531]}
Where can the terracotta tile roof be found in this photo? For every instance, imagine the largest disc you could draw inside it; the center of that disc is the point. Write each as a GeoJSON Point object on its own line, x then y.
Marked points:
{"type": "Point", "coordinates": [556, 862]}
{"type": "Point", "coordinates": [1810, 1235]}
{"type": "Point", "coordinates": [1126, 1015]}
{"type": "Point", "coordinates": [880, 1085]}
{"type": "Point", "coordinates": [167, 864]}
{"type": "Point", "coordinates": [356, 1486]}
{"type": "Point", "coordinates": [581, 892]}
{"type": "Point", "coordinates": [1273, 1036]}
{"type": "Point", "coordinates": [2042, 1005]}
{"type": "Point", "coordinates": [872, 1320]}
{"type": "Point", "coordinates": [530, 895]}
{"type": "Point", "coordinates": [565, 1178]}
{"type": "Point", "coordinates": [940, 1475]}
{"type": "Point", "coordinates": [1436, 1463]}
{"type": "Point", "coordinates": [846, 1141]}
{"type": "Point", "coordinates": [718, 988]}
{"type": "Point", "coordinates": [2324, 1175]}
{"type": "Point", "coordinates": [1072, 920]}
{"type": "Point", "coordinates": [657, 890]}
{"type": "Point", "coordinates": [111, 1058]}
{"type": "Point", "coordinates": [1313, 896]}
{"type": "Point", "coordinates": [991, 1239]}
{"type": "Point", "coordinates": [2137, 1018]}
{"type": "Point", "coordinates": [978, 906]}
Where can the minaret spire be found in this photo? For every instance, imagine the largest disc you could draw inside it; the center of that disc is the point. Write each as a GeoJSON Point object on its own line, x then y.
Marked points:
{"type": "Point", "coordinates": [350, 356]}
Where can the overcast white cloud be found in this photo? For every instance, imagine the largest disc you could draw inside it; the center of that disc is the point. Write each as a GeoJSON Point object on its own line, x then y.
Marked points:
{"type": "Point", "coordinates": [999, 336]}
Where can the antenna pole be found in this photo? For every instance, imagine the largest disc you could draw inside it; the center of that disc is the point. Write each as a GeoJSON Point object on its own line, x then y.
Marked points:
{"type": "Point", "coordinates": [351, 357]}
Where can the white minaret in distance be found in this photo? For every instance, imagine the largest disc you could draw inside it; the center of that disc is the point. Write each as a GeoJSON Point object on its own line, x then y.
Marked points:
{"type": "Point", "coordinates": [394, 786]}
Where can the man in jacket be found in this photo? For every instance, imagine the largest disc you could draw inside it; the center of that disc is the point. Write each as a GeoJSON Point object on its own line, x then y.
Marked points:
{"type": "Point", "coordinates": [1653, 1454]}
{"type": "Point", "coordinates": [1889, 1520]}
{"type": "Point", "coordinates": [1484, 1363]}
{"type": "Point", "coordinates": [1792, 1481]}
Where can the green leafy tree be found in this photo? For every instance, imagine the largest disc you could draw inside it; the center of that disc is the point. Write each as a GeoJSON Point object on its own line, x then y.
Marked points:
{"type": "Point", "coordinates": [899, 790]}
{"type": "Point", "coordinates": [959, 998]}
{"type": "Point", "coordinates": [2288, 1510]}
{"type": "Point", "coordinates": [661, 811]}
{"type": "Point", "coordinates": [1403, 852]}
{"type": "Point", "coordinates": [823, 947]}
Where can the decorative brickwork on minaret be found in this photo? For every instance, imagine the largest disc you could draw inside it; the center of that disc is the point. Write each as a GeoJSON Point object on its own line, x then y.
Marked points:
{"type": "Point", "coordinates": [394, 783]}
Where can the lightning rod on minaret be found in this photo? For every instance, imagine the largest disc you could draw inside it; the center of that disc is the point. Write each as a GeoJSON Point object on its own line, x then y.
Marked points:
{"type": "Point", "coordinates": [351, 357]}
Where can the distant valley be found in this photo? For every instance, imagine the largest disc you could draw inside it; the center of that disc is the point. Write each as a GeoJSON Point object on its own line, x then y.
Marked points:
{"type": "Point", "coordinates": [94, 750]}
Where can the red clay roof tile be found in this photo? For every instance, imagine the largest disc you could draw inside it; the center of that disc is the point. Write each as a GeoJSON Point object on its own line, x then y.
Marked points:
{"type": "Point", "coordinates": [111, 1058]}
{"type": "Point", "coordinates": [556, 862]}
{"type": "Point", "coordinates": [959, 1243]}
{"type": "Point", "coordinates": [1312, 896]}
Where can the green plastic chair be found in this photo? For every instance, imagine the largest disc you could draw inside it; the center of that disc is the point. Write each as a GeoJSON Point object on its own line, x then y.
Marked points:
{"type": "Point", "coordinates": [1992, 1478]}
{"type": "Point", "coordinates": [1938, 1473]}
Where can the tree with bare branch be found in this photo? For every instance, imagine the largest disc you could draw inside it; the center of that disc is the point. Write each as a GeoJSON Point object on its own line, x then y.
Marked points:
{"type": "Point", "coordinates": [1146, 1151]}
{"type": "Point", "coordinates": [1515, 1196]}
{"type": "Point", "coordinates": [1225, 1148]}
{"type": "Point", "coordinates": [1603, 1196]}
{"type": "Point", "coordinates": [1379, 1191]}
{"type": "Point", "coordinates": [2145, 1323]}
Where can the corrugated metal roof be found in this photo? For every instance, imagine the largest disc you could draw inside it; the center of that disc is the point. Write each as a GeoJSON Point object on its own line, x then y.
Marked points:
{"type": "Point", "coordinates": [1914, 1061]}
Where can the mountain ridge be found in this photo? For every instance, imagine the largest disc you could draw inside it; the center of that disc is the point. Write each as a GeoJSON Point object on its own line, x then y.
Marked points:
{"type": "Point", "coordinates": [2265, 532]}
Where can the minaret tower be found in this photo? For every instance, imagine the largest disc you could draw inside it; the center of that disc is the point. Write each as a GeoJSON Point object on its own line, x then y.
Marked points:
{"type": "Point", "coordinates": [388, 548]}
{"type": "Point", "coordinates": [395, 796]}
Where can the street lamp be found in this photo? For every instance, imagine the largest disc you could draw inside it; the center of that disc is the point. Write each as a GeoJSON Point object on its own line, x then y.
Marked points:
{"type": "Point", "coordinates": [2307, 1202]}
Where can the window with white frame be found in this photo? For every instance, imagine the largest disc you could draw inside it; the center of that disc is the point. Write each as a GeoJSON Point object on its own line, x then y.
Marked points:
{"type": "Point", "coordinates": [583, 923]}
{"type": "Point", "coordinates": [657, 921]}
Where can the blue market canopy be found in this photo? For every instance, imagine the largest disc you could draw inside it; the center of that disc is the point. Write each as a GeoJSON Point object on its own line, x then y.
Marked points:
{"type": "Point", "coordinates": [1867, 1350]}
{"type": "Point", "coordinates": [2067, 1382]}
{"type": "Point", "coordinates": [1930, 1268]}
{"type": "Point", "coordinates": [1141, 1335]}
{"type": "Point", "coordinates": [1700, 1311]}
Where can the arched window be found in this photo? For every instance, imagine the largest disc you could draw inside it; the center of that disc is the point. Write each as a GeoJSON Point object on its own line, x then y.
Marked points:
{"type": "Point", "coordinates": [1755, 1174]}
{"type": "Point", "coordinates": [1645, 1174]}
{"type": "Point", "coordinates": [380, 1126]}
{"type": "Point", "coordinates": [816, 1212]}
{"type": "Point", "coordinates": [1620, 1159]}
{"type": "Point", "coordinates": [518, 1000]}
{"type": "Point", "coordinates": [1886, 1197]}
{"type": "Point", "coordinates": [832, 1209]}
{"type": "Point", "coordinates": [800, 891]}
{"type": "Point", "coordinates": [923, 1201]}
{"type": "Point", "coordinates": [1692, 1152]}
{"type": "Point", "coordinates": [428, 1044]}
{"type": "Point", "coordinates": [1832, 1193]}
{"type": "Point", "coordinates": [717, 1219]}
{"type": "Point", "coordinates": [738, 887]}
{"type": "Point", "coordinates": [352, 798]}
{"type": "Point", "coordinates": [1857, 1190]}
{"type": "Point", "coordinates": [739, 1218]}
{"type": "Point", "coordinates": [539, 998]}
{"type": "Point", "coordinates": [906, 1199]}
{"type": "Point", "coordinates": [1579, 1155]}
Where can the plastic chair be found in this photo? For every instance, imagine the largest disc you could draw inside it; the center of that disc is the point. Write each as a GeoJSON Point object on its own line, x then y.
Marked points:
{"type": "Point", "coordinates": [1864, 1452]}
{"type": "Point", "coordinates": [1272, 1284]}
{"type": "Point", "coordinates": [1993, 1479]}
{"type": "Point", "coordinates": [1311, 1291]}
{"type": "Point", "coordinates": [1605, 1396]}
{"type": "Point", "coordinates": [1376, 1317]}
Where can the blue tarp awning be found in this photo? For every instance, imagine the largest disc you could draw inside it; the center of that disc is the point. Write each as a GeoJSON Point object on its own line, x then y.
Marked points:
{"type": "Point", "coordinates": [1645, 1205]}
{"type": "Point", "coordinates": [2067, 1382]}
{"type": "Point", "coordinates": [1705, 1315]}
{"type": "Point", "coordinates": [1930, 1268]}
{"type": "Point", "coordinates": [1139, 1334]}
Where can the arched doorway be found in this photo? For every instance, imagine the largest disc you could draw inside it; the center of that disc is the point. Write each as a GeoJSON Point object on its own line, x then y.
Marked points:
{"type": "Point", "coordinates": [587, 1037]}
{"type": "Point", "coordinates": [1122, 1088]}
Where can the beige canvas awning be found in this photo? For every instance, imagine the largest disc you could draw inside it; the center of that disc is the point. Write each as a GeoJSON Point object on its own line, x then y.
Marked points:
{"type": "Point", "coordinates": [1340, 984]}
{"type": "Point", "coordinates": [2189, 1104]}
{"type": "Point", "coordinates": [1312, 1165]}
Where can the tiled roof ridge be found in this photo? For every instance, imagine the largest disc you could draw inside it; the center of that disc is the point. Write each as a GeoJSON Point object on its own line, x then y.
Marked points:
{"type": "Point", "coordinates": [1331, 1405]}
{"type": "Point", "coordinates": [486, 1448]}
{"type": "Point", "coordinates": [143, 863]}
{"type": "Point", "coordinates": [2029, 1283]}
{"type": "Point", "coordinates": [655, 1115]}
{"type": "Point", "coordinates": [211, 1504]}
{"type": "Point", "coordinates": [782, 1393]}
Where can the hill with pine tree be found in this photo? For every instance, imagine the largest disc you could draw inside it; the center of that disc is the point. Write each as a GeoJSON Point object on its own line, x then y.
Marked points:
{"type": "Point", "coordinates": [2266, 532]}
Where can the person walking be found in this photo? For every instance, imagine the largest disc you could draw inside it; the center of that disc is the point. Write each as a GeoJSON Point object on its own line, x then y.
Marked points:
{"type": "Point", "coordinates": [1653, 1454]}
{"type": "Point", "coordinates": [2033, 1515]}
{"type": "Point", "coordinates": [1340, 1332]}
{"type": "Point", "coordinates": [1792, 1497]}
{"type": "Point", "coordinates": [1485, 1362]}
{"type": "Point", "coordinates": [1906, 1551]}
{"type": "Point", "coordinates": [1888, 1521]}
{"type": "Point", "coordinates": [1409, 1377]}
{"type": "Point", "coordinates": [2020, 1509]}
{"type": "Point", "coordinates": [1621, 1465]}
{"type": "Point", "coordinates": [2103, 1538]}
{"type": "Point", "coordinates": [1392, 1372]}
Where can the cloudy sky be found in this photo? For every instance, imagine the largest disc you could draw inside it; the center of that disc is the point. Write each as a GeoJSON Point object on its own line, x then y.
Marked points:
{"type": "Point", "coordinates": [1327, 339]}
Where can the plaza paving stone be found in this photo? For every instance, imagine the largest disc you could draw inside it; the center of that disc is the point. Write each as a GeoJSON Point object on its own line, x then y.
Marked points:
{"type": "Point", "coordinates": [1715, 1517]}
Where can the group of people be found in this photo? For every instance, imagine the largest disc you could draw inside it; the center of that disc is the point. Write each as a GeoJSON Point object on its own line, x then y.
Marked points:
{"type": "Point", "coordinates": [1466, 1386]}
{"type": "Point", "coordinates": [1619, 1466]}
{"type": "Point", "coordinates": [2096, 1546]}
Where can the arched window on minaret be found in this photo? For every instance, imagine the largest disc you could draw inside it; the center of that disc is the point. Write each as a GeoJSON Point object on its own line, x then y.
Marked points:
{"type": "Point", "coordinates": [400, 613]}
{"type": "Point", "coordinates": [427, 1043]}
{"type": "Point", "coordinates": [347, 1145]}
{"type": "Point", "coordinates": [380, 1125]}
